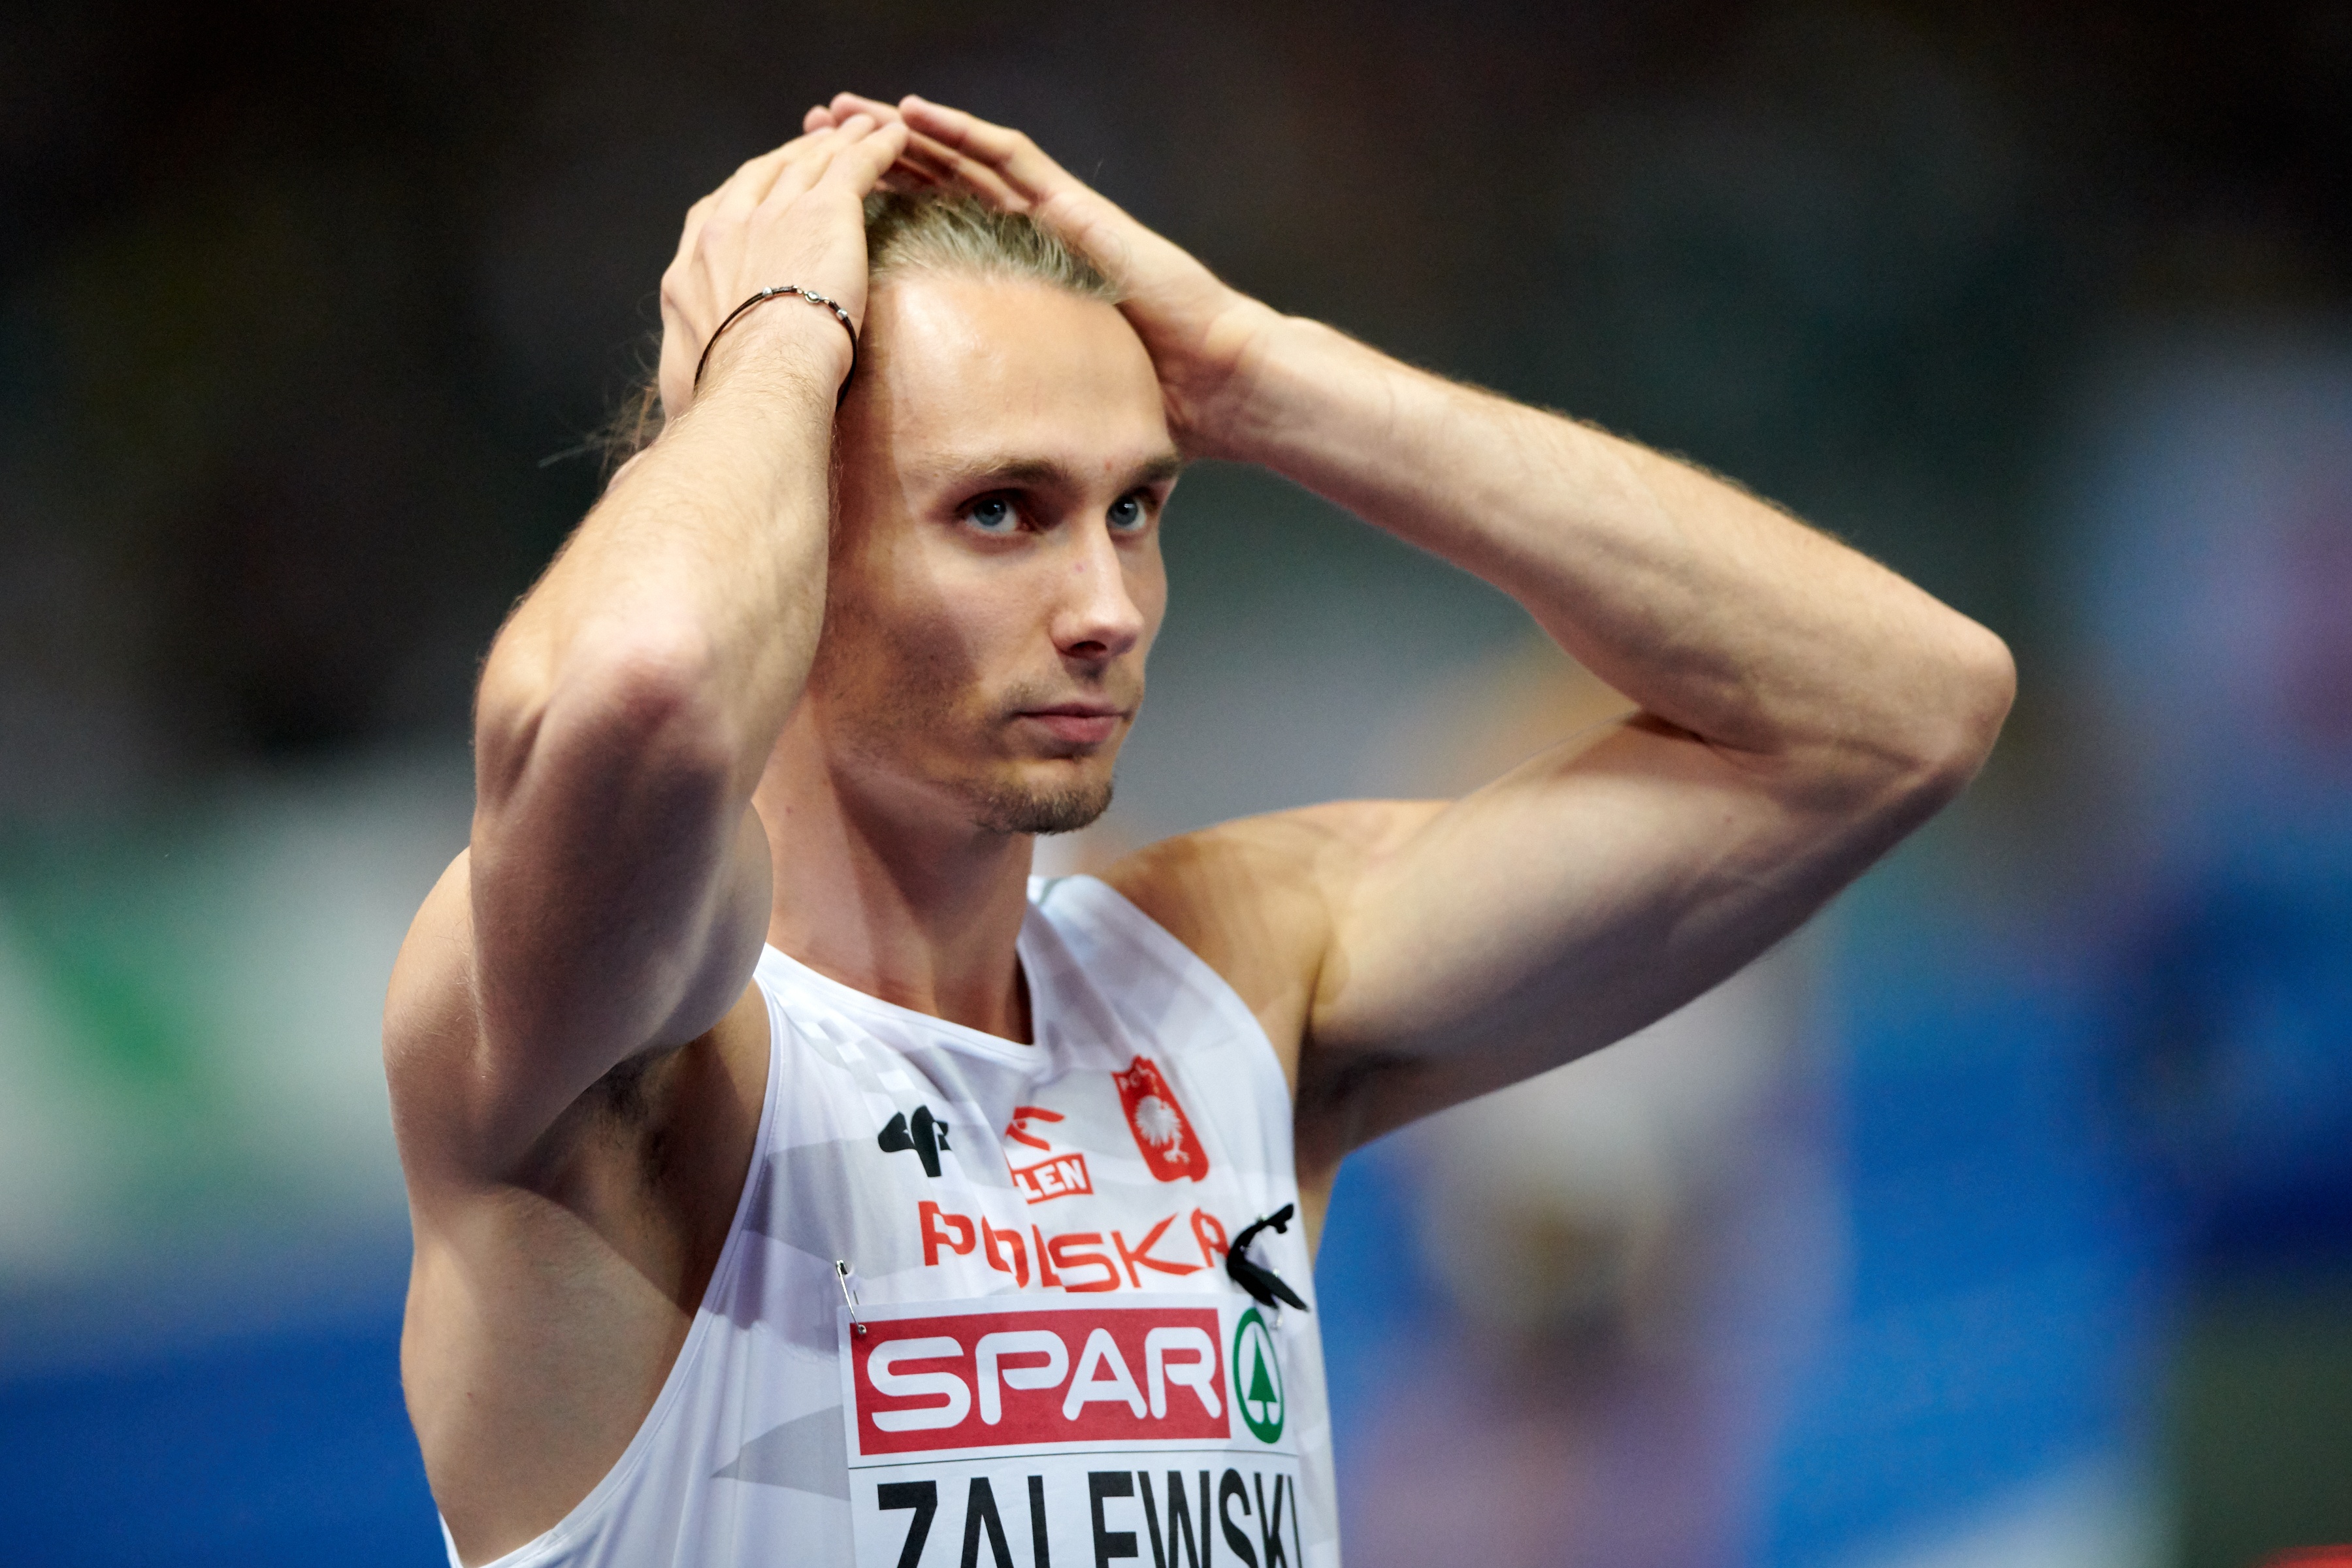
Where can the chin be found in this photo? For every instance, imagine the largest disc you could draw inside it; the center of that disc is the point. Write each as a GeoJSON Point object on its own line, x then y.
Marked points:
{"type": "Point", "coordinates": [1040, 807]}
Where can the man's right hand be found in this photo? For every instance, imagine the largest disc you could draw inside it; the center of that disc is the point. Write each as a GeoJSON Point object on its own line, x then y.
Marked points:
{"type": "Point", "coordinates": [1205, 337]}
{"type": "Point", "coordinates": [794, 216]}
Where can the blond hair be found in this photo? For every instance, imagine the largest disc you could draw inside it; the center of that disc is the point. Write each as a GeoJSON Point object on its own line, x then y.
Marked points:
{"type": "Point", "coordinates": [959, 233]}
{"type": "Point", "coordinates": [913, 234]}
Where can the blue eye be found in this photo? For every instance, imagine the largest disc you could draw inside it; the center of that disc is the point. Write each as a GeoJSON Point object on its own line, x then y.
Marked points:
{"type": "Point", "coordinates": [993, 514]}
{"type": "Point", "coordinates": [1127, 514]}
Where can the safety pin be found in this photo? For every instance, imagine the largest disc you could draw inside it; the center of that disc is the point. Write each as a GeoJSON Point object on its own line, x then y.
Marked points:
{"type": "Point", "coordinates": [848, 1296]}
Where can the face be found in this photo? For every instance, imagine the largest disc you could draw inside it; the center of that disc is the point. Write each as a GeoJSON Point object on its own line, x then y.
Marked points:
{"type": "Point", "coordinates": [995, 581]}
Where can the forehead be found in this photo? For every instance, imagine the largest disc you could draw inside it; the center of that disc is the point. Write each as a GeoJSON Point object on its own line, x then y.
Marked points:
{"type": "Point", "coordinates": [962, 370]}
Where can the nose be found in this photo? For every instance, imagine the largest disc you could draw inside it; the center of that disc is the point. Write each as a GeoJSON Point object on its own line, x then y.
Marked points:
{"type": "Point", "coordinates": [1097, 617]}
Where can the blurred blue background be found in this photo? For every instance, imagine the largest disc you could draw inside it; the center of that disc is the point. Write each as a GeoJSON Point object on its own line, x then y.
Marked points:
{"type": "Point", "coordinates": [2005, 1217]}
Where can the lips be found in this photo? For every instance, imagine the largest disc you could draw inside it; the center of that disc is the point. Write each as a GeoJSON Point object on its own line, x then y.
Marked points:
{"type": "Point", "coordinates": [1076, 724]}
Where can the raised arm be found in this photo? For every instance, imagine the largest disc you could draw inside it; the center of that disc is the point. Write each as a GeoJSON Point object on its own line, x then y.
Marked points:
{"type": "Point", "coordinates": [616, 887]}
{"type": "Point", "coordinates": [1802, 708]}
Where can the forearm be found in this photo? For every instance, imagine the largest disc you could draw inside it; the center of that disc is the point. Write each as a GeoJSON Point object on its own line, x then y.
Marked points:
{"type": "Point", "coordinates": [1711, 609]}
{"type": "Point", "coordinates": [694, 589]}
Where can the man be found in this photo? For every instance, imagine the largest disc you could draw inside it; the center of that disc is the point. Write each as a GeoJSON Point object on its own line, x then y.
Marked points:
{"type": "Point", "coordinates": [795, 1181]}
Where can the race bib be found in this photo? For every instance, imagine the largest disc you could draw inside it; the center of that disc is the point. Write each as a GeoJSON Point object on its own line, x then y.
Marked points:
{"type": "Point", "coordinates": [1029, 1431]}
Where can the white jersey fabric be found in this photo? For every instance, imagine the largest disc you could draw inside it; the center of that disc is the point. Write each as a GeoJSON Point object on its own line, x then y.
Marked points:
{"type": "Point", "coordinates": [1049, 1366]}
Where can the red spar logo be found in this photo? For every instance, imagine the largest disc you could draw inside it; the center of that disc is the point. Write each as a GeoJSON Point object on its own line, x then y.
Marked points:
{"type": "Point", "coordinates": [1161, 1129]}
{"type": "Point", "coordinates": [995, 1379]}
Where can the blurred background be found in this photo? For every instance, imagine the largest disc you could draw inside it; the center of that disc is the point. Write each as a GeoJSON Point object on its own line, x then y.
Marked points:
{"type": "Point", "coordinates": [2002, 1217]}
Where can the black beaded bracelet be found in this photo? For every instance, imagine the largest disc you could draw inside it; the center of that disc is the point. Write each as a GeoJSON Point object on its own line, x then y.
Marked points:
{"type": "Point", "coordinates": [762, 298]}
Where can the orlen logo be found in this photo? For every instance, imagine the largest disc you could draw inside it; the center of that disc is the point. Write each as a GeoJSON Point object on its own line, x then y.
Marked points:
{"type": "Point", "coordinates": [998, 1379]}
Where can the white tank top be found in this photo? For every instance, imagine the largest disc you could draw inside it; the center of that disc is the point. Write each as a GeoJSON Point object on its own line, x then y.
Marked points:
{"type": "Point", "coordinates": [1048, 1365]}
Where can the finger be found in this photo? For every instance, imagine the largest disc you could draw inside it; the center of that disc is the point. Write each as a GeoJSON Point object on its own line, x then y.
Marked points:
{"type": "Point", "coordinates": [844, 104]}
{"type": "Point", "coordinates": [907, 178]}
{"type": "Point", "coordinates": [797, 176]}
{"type": "Point", "coordinates": [735, 195]}
{"type": "Point", "coordinates": [862, 164]}
{"type": "Point", "coordinates": [952, 170]}
{"type": "Point", "coordinates": [763, 167]}
{"type": "Point", "coordinates": [750, 169]}
{"type": "Point", "coordinates": [817, 118]}
{"type": "Point", "coordinates": [801, 174]}
{"type": "Point", "coordinates": [918, 161]}
{"type": "Point", "coordinates": [754, 176]}
{"type": "Point", "coordinates": [1010, 154]}
{"type": "Point", "coordinates": [750, 184]}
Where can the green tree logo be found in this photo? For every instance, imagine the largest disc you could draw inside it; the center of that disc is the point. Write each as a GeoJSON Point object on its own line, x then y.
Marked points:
{"type": "Point", "coordinates": [1258, 1377]}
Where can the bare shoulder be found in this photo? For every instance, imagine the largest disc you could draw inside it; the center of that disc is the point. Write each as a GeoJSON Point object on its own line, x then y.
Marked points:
{"type": "Point", "coordinates": [1255, 898]}
{"type": "Point", "coordinates": [432, 1032]}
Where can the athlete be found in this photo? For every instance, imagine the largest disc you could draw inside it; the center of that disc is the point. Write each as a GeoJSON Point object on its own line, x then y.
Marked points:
{"type": "Point", "coordinates": [797, 1180]}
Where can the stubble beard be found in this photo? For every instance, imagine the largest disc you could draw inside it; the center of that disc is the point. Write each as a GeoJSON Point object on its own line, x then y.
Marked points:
{"type": "Point", "coordinates": [1011, 808]}
{"type": "Point", "coordinates": [919, 702]}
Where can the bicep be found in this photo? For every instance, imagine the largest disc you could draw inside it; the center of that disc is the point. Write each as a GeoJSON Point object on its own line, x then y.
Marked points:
{"type": "Point", "coordinates": [1584, 894]}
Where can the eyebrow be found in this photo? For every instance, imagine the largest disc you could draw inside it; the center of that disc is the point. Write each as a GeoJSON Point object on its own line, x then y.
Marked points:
{"type": "Point", "coordinates": [1010, 472]}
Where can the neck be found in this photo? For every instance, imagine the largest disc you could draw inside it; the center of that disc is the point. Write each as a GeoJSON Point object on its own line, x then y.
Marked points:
{"type": "Point", "coordinates": [891, 893]}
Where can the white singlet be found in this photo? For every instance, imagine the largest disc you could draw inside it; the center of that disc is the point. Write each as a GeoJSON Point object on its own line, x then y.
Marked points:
{"type": "Point", "coordinates": [1048, 1365]}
